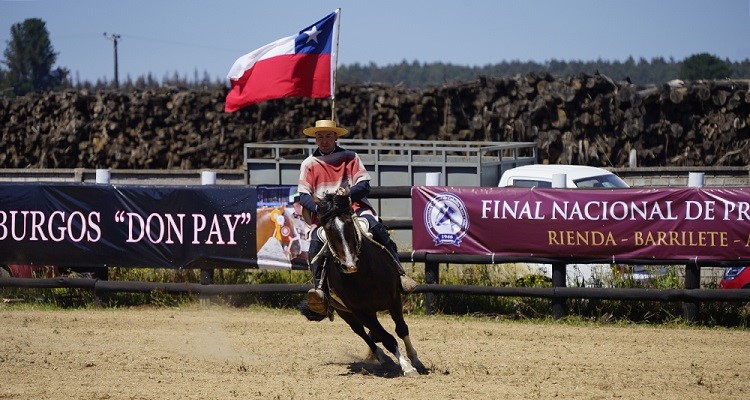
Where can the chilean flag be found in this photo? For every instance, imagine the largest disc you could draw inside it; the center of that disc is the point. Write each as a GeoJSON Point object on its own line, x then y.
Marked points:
{"type": "Point", "coordinates": [301, 65]}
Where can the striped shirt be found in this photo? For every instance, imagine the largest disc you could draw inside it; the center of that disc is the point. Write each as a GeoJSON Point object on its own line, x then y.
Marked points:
{"type": "Point", "coordinates": [321, 174]}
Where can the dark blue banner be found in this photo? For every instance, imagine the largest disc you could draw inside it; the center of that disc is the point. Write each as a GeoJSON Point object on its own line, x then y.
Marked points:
{"type": "Point", "coordinates": [128, 226]}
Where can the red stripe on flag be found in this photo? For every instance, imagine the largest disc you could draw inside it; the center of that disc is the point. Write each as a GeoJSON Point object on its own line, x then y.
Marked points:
{"type": "Point", "coordinates": [294, 75]}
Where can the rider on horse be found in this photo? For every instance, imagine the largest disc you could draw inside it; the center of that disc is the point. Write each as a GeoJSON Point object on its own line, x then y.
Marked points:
{"type": "Point", "coordinates": [327, 169]}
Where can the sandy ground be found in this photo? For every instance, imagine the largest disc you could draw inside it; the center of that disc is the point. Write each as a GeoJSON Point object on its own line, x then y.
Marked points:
{"type": "Point", "coordinates": [226, 353]}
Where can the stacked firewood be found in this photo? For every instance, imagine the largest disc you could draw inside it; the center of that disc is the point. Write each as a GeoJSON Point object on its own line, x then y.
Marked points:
{"type": "Point", "coordinates": [583, 119]}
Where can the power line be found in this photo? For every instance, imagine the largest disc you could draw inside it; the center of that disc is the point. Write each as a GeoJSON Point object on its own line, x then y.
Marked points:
{"type": "Point", "coordinates": [185, 44]}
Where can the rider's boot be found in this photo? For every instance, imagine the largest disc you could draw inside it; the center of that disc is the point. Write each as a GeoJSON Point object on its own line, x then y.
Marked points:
{"type": "Point", "coordinates": [380, 234]}
{"type": "Point", "coordinates": [315, 296]}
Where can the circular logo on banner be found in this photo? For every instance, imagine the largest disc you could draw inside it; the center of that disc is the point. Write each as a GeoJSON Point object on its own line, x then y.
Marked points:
{"type": "Point", "coordinates": [446, 219]}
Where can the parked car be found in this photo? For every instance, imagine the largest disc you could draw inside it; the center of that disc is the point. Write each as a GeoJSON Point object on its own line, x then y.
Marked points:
{"type": "Point", "coordinates": [735, 278]}
{"type": "Point", "coordinates": [577, 176]}
{"type": "Point", "coordinates": [581, 177]}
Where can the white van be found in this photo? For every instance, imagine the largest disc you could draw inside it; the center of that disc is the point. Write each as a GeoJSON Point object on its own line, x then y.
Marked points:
{"type": "Point", "coordinates": [577, 176]}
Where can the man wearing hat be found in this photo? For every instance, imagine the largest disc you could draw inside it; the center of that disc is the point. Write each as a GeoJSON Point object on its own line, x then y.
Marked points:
{"type": "Point", "coordinates": [327, 169]}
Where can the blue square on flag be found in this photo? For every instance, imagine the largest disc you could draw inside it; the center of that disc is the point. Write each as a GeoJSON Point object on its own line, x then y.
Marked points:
{"type": "Point", "coordinates": [317, 38]}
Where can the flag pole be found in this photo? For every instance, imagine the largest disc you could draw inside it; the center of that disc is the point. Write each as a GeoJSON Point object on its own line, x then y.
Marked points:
{"type": "Point", "coordinates": [335, 66]}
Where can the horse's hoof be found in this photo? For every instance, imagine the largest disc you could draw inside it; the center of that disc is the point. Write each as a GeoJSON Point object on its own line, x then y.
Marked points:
{"type": "Point", "coordinates": [419, 366]}
{"type": "Point", "coordinates": [411, 373]}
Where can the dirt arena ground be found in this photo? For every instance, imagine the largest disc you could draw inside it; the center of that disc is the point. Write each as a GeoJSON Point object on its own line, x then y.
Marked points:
{"type": "Point", "coordinates": [228, 353]}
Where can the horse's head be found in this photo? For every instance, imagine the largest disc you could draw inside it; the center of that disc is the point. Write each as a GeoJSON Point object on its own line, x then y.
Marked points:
{"type": "Point", "coordinates": [344, 237]}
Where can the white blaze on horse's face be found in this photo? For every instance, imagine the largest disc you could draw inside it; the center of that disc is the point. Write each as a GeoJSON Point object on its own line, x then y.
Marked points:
{"type": "Point", "coordinates": [349, 257]}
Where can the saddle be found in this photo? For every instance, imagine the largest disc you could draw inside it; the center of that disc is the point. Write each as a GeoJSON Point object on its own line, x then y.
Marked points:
{"type": "Point", "coordinates": [364, 226]}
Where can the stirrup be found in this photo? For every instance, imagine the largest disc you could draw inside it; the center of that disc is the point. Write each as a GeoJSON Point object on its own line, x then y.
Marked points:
{"type": "Point", "coordinates": [316, 301]}
{"type": "Point", "coordinates": [407, 284]}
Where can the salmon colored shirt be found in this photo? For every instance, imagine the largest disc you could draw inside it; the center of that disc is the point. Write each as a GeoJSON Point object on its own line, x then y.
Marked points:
{"type": "Point", "coordinates": [321, 174]}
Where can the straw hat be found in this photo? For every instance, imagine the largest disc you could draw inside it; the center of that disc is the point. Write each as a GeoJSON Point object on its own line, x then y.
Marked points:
{"type": "Point", "coordinates": [325, 125]}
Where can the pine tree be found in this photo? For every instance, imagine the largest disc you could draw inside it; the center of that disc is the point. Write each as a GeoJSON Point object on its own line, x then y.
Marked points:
{"type": "Point", "coordinates": [29, 57]}
{"type": "Point", "coordinates": [705, 66]}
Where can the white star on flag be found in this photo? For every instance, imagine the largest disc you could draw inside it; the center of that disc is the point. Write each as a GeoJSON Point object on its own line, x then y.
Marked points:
{"type": "Point", "coordinates": [313, 34]}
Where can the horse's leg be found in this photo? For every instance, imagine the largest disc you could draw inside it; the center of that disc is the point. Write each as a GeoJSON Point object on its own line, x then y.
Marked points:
{"type": "Point", "coordinates": [359, 329]}
{"type": "Point", "coordinates": [370, 320]}
{"type": "Point", "coordinates": [402, 330]}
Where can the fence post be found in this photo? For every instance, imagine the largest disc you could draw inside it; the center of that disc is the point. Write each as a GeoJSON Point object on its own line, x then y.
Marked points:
{"type": "Point", "coordinates": [431, 275]}
{"type": "Point", "coordinates": [693, 271]}
{"type": "Point", "coordinates": [633, 159]}
{"type": "Point", "coordinates": [103, 177]}
{"type": "Point", "coordinates": [559, 304]}
{"type": "Point", "coordinates": [207, 274]}
{"type": "Point", "coordinates": [431, 268]}
{"type": "Point", "coordinates": [207, 277]}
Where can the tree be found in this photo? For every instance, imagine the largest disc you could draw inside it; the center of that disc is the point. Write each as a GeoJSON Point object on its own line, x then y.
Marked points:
{"type": "Point", "coordinates": [705, 66]}
{"type": "Point", "coordinates": [29, 57]}
{"type": "Point", "coordinates": [3, 85]}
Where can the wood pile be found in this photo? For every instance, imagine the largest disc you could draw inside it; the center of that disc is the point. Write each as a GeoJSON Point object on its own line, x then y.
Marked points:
{"type": "Point", "coordinates": [583, 119]}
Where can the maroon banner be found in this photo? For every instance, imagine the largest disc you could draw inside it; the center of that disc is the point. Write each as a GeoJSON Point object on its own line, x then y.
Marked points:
{"type": "Point", "coordinates": [689, 224]}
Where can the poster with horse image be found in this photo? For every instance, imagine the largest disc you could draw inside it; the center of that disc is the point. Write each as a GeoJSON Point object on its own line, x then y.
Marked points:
{"type": "Point", "coordinates": [281, 232]}
{"type": "Point", "coordinates": [152, 226]}
{"type": "Point", "coordinates": [127, 225]}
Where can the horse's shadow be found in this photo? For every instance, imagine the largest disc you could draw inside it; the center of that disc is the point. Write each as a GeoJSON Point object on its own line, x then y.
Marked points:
{"type": "Point", "coordinates": [388, 369]}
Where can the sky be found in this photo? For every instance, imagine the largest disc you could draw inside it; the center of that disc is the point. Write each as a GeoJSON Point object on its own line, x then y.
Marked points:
{"type": "Point", "coordinates": [191, 37]}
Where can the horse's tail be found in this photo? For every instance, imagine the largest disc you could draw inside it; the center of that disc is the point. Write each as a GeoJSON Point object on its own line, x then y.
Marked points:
{"type": "Point", "coordinates": [309, 314]}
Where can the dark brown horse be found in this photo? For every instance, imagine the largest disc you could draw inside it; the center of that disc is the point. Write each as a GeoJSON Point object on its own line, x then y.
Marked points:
{"type": "Point", "coordinates": [362, 280]}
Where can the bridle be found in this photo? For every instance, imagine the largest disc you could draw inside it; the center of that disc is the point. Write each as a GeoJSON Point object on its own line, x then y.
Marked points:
{"type": "Point", "coordinates": [335, 229]}
{"type": "Point", "coordinates": [340, 223]}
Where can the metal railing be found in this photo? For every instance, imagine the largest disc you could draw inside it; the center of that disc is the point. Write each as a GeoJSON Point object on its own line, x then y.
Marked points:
{"type": "Point", "coordinates": [399, 162]}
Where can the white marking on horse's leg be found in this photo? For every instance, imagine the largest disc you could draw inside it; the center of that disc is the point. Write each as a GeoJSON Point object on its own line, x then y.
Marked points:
{"type": "Point", "coordinates": [411, 352]}
{"type": "Point", "coordinates": [406, 366]}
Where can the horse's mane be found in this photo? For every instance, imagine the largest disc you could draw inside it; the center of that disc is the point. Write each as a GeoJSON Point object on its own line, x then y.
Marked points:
{"type": "Point", "coordinates": [333, 205]}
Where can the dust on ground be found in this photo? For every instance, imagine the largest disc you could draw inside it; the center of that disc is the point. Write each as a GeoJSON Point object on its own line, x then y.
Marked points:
{"type": "Point", "coordinates": [226, 353]}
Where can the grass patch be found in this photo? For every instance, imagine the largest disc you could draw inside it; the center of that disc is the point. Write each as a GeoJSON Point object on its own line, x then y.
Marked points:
{"type": "Point", "coordinates": [732, 314]}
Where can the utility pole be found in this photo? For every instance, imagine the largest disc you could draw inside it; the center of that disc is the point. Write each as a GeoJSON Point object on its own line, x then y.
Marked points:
{"type": "Point", "coordinates": [114, 38]}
